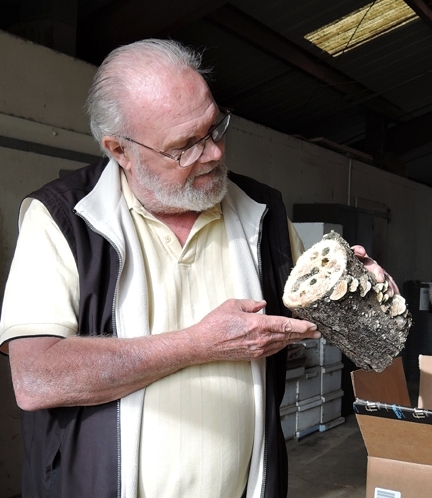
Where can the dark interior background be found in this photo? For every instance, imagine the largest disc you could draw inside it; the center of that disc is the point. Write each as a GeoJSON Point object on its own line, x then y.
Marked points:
{"type": "Point", "coordinates": [373, 102]}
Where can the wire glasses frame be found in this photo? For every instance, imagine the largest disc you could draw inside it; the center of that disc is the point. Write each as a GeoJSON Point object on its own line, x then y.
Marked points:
{"type": "Point", "coordinates": [192, 153]}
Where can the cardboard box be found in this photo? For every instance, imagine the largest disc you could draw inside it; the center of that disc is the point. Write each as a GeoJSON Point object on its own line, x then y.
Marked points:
{"type": "Point", "coordinates": [398, 438]}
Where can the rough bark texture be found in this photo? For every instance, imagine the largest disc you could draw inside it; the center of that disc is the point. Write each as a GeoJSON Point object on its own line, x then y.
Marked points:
{"type": "Point", "coordinates": [329, 286]}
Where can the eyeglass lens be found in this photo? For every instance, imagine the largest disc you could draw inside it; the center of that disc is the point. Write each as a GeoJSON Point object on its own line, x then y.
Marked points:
{"type": "Point", "coordinates": [192, 154]}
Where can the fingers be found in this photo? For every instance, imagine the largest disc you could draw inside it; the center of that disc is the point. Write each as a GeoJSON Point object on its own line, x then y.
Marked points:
{"type": "Point", "coordinates": [280, 324]}
{"type": "Point", "coordinates": [382, 276]}
{"type": "Point", "coordinates": [248, 305]}
{"type": "Point", "coordinates": [280, 332]}
{"type": "Point", "coordinates": [236, 330]}
{"type": "Point", "coordinates": [379, 273]}
{"type": "Point", "coordinates": [278, 329]}
{"type": "Point", "coordinates": [360, 251]}
{"type": "Point", "coordinates": [300, 327]}
{"type": "Point", "coordinates": [392, 286]}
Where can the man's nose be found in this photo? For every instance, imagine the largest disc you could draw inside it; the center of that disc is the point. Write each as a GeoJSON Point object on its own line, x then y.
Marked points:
{"type": "Point", "coordinates": [212, 151]}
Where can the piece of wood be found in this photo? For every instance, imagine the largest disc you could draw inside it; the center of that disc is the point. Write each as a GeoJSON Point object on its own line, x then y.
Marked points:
{"type": "Point", "coordinates": [330, 287]}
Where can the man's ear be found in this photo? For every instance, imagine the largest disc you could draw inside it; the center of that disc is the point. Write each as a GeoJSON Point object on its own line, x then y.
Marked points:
{"type": "Point", "coordinates": [117, 151]}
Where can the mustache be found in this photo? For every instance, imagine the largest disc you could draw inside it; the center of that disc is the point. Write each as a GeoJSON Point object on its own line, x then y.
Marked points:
{"type": "Point", "coordinates": [217, 166]}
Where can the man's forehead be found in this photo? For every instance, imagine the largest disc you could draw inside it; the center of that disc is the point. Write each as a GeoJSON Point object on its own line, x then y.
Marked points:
{"type": "Point", "coordinates": [168, 86]}
{"type": "Point", "coordinates": [184, 103]}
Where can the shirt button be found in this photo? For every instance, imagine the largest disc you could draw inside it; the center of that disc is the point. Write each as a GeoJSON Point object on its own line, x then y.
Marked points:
{"type": "Point", "coordinates": [167, 239]}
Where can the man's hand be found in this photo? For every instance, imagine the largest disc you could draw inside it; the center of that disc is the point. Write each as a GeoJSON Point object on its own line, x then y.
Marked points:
{"type": "Point", "coordinates": [380, 274]}
{"type": "Point", "coordinates": [236, 331]}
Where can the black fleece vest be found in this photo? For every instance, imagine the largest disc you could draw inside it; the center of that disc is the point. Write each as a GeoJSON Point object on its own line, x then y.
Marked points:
{"type": "Point", "coordinates": [74, 452]}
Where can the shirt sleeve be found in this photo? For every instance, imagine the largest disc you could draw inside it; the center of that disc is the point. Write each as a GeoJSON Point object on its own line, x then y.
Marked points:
{"type": "Point", "coordinates": [42, 291]}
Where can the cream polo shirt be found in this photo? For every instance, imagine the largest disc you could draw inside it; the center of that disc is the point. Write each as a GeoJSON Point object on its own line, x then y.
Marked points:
{"type": "Point", "coordinates": [205, 463]}
{"type": "Point", "coordinates": [198, 424]}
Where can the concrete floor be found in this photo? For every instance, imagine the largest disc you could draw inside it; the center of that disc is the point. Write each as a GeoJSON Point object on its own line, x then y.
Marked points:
{"type": "Point", "coordinates": [330, 464]}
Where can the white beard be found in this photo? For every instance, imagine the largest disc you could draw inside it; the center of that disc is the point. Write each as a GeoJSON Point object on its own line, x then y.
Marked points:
{"type": "Point", "coordinates": [173, 199]}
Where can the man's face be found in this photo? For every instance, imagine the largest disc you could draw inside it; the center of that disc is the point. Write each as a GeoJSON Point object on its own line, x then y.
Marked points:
{"type": "Point", "coordinates": [177, 116]}
{"type": "Point", "coordinates": [175, 197]}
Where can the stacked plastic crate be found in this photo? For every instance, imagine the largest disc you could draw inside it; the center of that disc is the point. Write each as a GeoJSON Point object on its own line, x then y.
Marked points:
{"type": "Point", "coordinates": [313, 394]}
{"type": "Point", "coordinates": [309, 391]}
{"type": "Point", "coordinates": [289, 408]}
{"type": "Point", "coordinates": [331, 381]}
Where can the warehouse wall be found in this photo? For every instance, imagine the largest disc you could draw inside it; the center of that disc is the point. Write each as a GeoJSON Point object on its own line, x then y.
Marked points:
{"type": "Point", "coordinates": [307, 173]}
{"type": "Point", "coordinates": [41, 97]}
{"type": "Point", "coordinates": [43, 129]}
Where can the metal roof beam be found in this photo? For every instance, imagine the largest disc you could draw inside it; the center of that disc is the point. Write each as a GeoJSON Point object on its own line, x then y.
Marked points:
{"type": "Point", "coordinates": [113, 24]}
{"type": "Point", "coordinates": [405, 136]}
{"type": "Point", "coordinates": [422, 9]}
{"type": "Point", "coordinates": [246, 28]}
{"type": "Point", "coordinates": [410, 135]}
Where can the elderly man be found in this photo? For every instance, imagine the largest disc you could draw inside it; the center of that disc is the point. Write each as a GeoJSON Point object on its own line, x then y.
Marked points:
{"type": "Point", "coordinates": [134, 312]}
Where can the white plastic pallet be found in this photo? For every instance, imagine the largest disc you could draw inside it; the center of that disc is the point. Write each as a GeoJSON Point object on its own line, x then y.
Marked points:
{"type": "Point", "coordinates": [331, 424]}
{"type": "Point", "coordinates": [306, 432]}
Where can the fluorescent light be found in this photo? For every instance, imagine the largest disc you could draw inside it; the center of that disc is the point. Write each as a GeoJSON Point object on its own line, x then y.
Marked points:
{"type": "Point", "coordinates": [362, 25]}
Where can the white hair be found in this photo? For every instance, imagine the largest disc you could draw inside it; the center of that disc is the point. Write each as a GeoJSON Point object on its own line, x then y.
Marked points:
{"type": "Point", "coordinates": [109, 90]}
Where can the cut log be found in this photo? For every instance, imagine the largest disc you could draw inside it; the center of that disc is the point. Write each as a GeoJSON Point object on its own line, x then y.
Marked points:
{"type": "Point", "coordinates": [330, 287]}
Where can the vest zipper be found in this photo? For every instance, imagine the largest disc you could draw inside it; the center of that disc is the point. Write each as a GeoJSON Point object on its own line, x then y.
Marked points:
{"type": "Point", "coordinates": [260, 275]}
{"type": "Point", "coordinates": [114, 325]}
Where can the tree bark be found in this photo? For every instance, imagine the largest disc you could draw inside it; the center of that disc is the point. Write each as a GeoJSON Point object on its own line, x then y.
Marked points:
{"type": "Point", "coordinates": [330, 287]}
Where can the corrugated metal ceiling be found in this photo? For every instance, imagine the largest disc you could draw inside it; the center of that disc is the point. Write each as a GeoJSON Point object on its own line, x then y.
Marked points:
{"type": "Point", "coordinates": [376, 98]}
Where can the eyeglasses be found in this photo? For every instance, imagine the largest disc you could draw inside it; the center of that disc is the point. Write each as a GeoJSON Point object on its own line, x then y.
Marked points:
{"type": "Point", "coordinates": [192, 153]}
